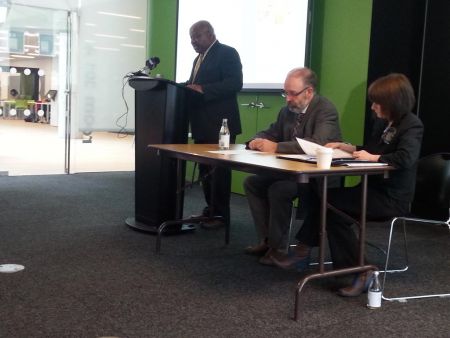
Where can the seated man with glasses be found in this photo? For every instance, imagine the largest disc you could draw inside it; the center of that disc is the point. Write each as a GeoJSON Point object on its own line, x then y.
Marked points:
{"type": "Point", "coordinates": [395, 139]}
{"type": "Point", "coordinates": [308, 116]}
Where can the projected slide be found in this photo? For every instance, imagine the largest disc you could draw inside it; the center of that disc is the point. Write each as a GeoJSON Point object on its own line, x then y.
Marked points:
{"type": "Point", "coordinates": [270, 36]}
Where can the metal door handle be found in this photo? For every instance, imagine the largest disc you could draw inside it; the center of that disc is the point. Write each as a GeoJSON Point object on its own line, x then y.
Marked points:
{"type": "Point", "coordinates": [250, 105]}
{"type": "Point", "coordinates": [260, 105]}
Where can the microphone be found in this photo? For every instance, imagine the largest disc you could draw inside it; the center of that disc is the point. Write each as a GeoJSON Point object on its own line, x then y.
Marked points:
{"type": "Point", "coordinates": [152, 62]}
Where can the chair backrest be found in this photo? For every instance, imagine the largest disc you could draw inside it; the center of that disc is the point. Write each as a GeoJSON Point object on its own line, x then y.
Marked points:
{"type": "Point", "coordinates": [432, 196]}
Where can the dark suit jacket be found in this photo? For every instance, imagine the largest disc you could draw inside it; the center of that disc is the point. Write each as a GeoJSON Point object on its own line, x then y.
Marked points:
{"type": "Point", "coordinates": [220, 75]}
{"type": "Point", "coordinates": [402, 152]}
{"type": "Point", "coordinates": [320, 125]}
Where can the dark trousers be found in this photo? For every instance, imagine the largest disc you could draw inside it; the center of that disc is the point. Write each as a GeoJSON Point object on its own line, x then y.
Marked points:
{"type": "Point", "coordinates": [342, 239]}
{"type": "Point", "coordinates": [219, 204]}
{"type": "Point", "coordinates": [270, 202]}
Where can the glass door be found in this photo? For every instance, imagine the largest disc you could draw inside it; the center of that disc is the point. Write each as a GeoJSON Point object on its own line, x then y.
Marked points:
{"type": "Point", "coordinates": [33, 45]}
{"type": "Point", "coordinates": [65, 105]}
{"type": "Point", "coordinates": [109, 43]}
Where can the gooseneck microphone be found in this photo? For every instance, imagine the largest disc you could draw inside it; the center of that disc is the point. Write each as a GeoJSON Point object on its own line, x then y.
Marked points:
{"type": "Point", "coordinates": [152, 63]}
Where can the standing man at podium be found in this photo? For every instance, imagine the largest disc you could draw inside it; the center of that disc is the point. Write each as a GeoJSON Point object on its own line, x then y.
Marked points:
{"type": "Point", "coordinates": [217, 76]}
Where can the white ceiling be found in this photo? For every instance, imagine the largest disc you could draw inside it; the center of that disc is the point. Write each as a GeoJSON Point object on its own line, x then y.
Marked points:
{"type": "Point", "coordinates": [38, 15]}
{"type": "Point", "coordinates": [54, 4]}
{"type": "Point", "coordinates": [49, 17]}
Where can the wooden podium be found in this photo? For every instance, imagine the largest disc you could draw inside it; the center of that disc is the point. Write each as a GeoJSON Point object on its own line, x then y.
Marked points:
{"type": "Point", "coordinates": [160, 117]}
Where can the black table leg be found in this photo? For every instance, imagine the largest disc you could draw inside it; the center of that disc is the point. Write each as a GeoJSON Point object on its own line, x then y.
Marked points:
{"type": "Point", "coordinates": [339, 272]}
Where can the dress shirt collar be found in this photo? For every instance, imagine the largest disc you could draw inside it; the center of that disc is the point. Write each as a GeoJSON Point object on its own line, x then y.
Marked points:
{"type": "Point", "coordinates": [304, 110]}
{"type": "Point", "coordinates": [206, 52]}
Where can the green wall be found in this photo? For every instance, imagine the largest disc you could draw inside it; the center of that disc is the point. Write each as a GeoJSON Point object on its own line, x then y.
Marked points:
{"type": "Point", "coordinates": [162, 34]}
{"type": "Point", "coordinates": [339, 55]}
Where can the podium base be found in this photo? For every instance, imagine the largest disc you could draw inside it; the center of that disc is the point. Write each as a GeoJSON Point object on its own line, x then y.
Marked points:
{"type": "Point", "coordinates": [153, 229]}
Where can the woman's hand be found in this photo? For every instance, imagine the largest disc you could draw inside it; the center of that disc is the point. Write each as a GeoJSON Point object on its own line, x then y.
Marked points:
{"type": "Point", "coordinates": [364, 155]}
{"type": "Point", "coordinates": [349, 148]}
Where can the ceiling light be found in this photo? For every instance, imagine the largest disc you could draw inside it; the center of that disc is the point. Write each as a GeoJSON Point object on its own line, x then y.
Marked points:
{"type": "Point", "coordinates": [30, 34]}
{"type": "Point", "coordinates": [22, 56]}
{"type": "Point", "coordinates": [120, 15]}
{"type": "Point", "coordinates": [132, 46]}
{"type": "Point", "coordinates": [108, 48]}
{"type": "Point", "coordinates": [110, 36]}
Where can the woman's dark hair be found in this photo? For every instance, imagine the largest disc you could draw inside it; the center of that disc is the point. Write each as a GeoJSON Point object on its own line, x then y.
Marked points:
{"type": "Point", "coordinates": [394, 94]}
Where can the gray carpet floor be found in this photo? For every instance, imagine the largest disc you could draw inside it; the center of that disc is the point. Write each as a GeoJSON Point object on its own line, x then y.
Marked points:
{"type": "Point", "coordinates": [89, 275]}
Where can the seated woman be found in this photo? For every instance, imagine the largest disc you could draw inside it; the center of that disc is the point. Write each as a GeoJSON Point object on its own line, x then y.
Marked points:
{"type": "Point", "coordinates": [396, 140]}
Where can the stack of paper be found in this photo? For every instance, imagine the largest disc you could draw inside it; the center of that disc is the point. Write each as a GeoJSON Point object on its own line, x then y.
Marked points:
{"type": "Point", "coordinates": [340, 157]}
{"type": "Point", "coordinates": [310, 149]}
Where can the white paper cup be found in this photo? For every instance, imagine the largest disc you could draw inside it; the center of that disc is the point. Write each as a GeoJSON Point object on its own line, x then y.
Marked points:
{"type": "Point", "coordinates": [324, 157]}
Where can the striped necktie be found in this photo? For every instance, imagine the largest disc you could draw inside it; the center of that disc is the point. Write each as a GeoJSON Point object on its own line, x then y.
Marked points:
{"type": "Point", "coordinates": [298, 121]}
{"type": "Point", "coordinates": [197, 66]}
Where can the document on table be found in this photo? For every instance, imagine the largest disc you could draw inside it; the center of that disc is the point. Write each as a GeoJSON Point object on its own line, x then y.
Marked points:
{"type": "Point", "coordinates": [340, 157]}
{"type": "Point", "coordinates": [349, 162]}
{"type": "Point", "coordinates": [298, 157]}
{"type": "Point", "coordinates": [310, 149]}
{"type": "Point", "coordinates": [235, 151]}
{"type": "Point", "coordinates": [362, 164]}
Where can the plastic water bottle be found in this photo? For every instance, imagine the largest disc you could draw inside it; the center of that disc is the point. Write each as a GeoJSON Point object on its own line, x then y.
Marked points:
{"type": "Point", "coordinates": [224, 135]}
{"type": "Point", "coordinates": [374, 292]}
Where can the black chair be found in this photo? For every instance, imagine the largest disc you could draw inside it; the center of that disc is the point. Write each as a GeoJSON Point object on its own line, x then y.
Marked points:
{"type": "Point", "coordinates": [431, 202]}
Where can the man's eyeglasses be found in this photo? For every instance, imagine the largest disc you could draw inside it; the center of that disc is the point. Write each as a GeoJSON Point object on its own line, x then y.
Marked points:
{"type": "Point", "coordinates": [286, 94]}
